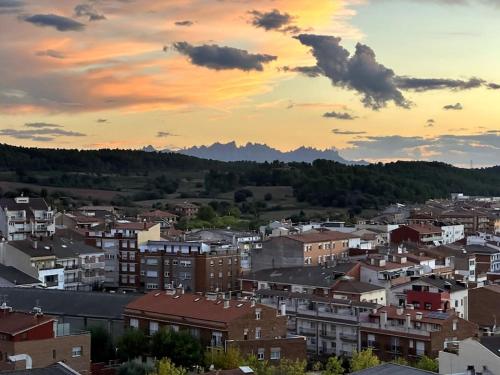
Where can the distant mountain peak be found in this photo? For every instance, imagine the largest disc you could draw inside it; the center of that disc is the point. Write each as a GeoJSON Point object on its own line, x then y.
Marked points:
{"type": "Point", "coordinates": [259, 152]}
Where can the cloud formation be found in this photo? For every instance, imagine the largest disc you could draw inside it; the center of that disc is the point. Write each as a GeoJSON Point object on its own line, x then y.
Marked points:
{"type": "Point", "coordinates": [274, 20]}
{"type": "Point", "coordinates": [11, 6]}
{"type": "Point", "coordinates": [427, 84]}
{"type": "Point", "coordinates": [347, 132]}
{"type": "Point", "coordinates": [360, 72]}
{"type": "Point", "coordinates": [40, 132]}
{"type": "Point", "coordinates": [50, 53]}
{"type": "Point", "coordinates": [453, 107]}
{"type": "Point", "coordinates": [219, 58]}
{"type": "Point", "coordinates": [88, 11]}
{"type": "Point", "coordinates": [164, 134]}
{"type": "Point", "coordinates": [59, 23]}
{"type": "Point", "coordinates": [184, 23]}
{"type": "Point", "coordinates": [339, 115]}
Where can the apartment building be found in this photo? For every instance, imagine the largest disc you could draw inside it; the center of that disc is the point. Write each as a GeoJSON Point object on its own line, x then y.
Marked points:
{"type": "Point", "coordinates": [472, 220]}
{"type": "Point", "coordinates": [35, 260]}
{"type": "Point", "coordinates": [394, 332]}
{"type": "Point", "coordinates": [35, 340]}
{"type": "Point", "coordinates": [331, 326]}
{"type": "Point", "coordinates": [23, 217]}
{"type": "Point", "coordinates": [432, 293]}
{"type": "Point", "coordinates": [186, 209]}
{"type": "Point", "coordinates": [422, 234]}
{"type": "Point", "coordinates": [164, 218]}
{"type": "Point", "coordinates": [312, 249]}
{"type": "Point", "coordinates": [254, 329]}
{"type": "Point", "coordinates": [120, 237]}
{"type": "Point", "coordinates": [194, 266]}
{"type": "Point", "coordinates": [389, 270]}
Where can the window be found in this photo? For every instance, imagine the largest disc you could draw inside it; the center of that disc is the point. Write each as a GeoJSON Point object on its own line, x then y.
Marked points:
{"type": "Point", "coordinates": [220, 275]}
{"type": "Point", "coordinates": [152, 261]}
{"type": "Point", "coordinates": [371, 341]}
{"type": "Point", "coordinates": [257, 314]}
{"type": "Point", "coordinates": [134, 323]}
{"type": "Point", "coordinates": [229, 261]}
{"type": "Point", "coordinates": [76, 351]}
{"type": "Point", "coordinates": [153, 328]}
{"type": "Point", "coordinates": [124, 267]}
{"type": "Point", "coordinates": [131, 267]}
{"type": "Point", "coordinates": [167, 274]}
{"type": "Point", "coordinates": [175, 262]}
{"type": "Point", "coordinates": [211, 275]}
{"type": "Point", "coordinates": [260, 354]}
{"type": "Point", "coordinates": [152, 273]}
{"type": "Point", "coordinates": [275, 354]}
{"type": "Point", "coordinates": [54, 354]}
{"type": "Point", "coordinates": [167, 262]}
{"type": "Point", "coordinates": [455, 325]}
{"type": "Point", "coordinates": [211, 263]}
{"type": "Point", "coordinates": [257, 333]}
{"type": "Point", "coordinates": [221, 262]}
{"type": "Point", "coordinates": [185, 263]}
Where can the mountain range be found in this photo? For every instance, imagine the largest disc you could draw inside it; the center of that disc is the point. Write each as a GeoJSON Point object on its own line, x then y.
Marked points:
{"type": "Point", "coordinates": [259, 153]}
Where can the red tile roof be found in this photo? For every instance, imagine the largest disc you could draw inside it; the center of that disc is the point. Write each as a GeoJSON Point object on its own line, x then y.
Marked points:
{"type": "Point", "coordinates": [135, 225]}
{"type": "Point", "coordinates": [13, 323]}
{"type": "Point", "coordinates": [190, 306]}
{"type": "Point", "coordinates": [424, 228]}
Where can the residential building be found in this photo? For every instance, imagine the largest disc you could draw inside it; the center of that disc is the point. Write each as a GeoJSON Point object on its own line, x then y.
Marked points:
{"type": "Point", "coordinates": [383, 229]}
{"type": "Point", "coordinates": [432, 293]}
{"type": "Point", "coordinates": [484, 307]}
{"type": "Point", "coordinates": [164, 218]}
{"type": "Point", "coordinates": [37, 340]}
{"type": "Point", "coordinates": [120, 237]}
{"type": "Point", "coordinates": [311, 249]}
{"type": "Point", "coordinates": [82, 310]}
{"type": "Point", "coordinates": [23, 217]}
{"type": "Point", "coordinates": [218, 323]}
{"type": "Point", "coordinates": [394, 332]}
{"type": "Point", "coordinates": [35, 260]}
{"type": "Point", "coordinates": [472, 220]}
{"type": "Point", "coordinates": [186, 209]}
{"type": "Point", "coordinates": [194, 266]}
{"type": "Point", "coordinates": [332, 326]}
{"type": "Point", "coordinates": [389, 270]}
{"type": "Point", "coordinates": [422, 234]}
{"type": "Point", "coordinates": [478, 356]}
{"type": "Point", "coordinates": [77, 220]}
{"type": "Point", "coordinates": [11, 276]}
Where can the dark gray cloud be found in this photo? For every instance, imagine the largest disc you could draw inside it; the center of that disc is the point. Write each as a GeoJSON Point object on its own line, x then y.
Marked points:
{"type": "Point", "coordinates": [360, 72]}
{"type": "Point", "coordinates": [11, 6]}
{"type": "Point", "coordinates": [493, 86]}
{"type": "Point", "coordinates": [453, 107]}
{"type": "Point", "coordinates": [427, 84]}
{"type": "Point", "coordinates": [483, 149]}
{"type": "Point", "coordinates": [220, 58]}
{"type": "Point", "coordinates": [274, 20]}
{"type": "Point", "coordinates": [101, 120]}
{"type": "Point", "coordinates": [40, 131]}
{"type": "Point", "coordinates": [51, 53]}
{"type": "Point", "coordinates": [347, 132]}
{"type": "Point", "coordinates": [184, 23]}
{"type": "Point", "coordinates": [41, 125]}
{"type": "Point", "coordinates": [60, 23]}
{"type": "Point", "coordinates": [430, 123]}
{"type": "Point", "coordinates": [339, 115]}
{"type": "Point", "coordinates": [164, 134]}
{"type": "Point", "coordinates": [88, 11]}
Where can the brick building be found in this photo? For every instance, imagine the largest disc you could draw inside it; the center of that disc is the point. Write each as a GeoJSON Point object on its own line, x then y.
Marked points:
{"type": "Point", "coordinates": [394, 332]}
{"type": "Point", "coordinates": [422, 234]}
{"type": "Point", "coordinates": [303, 249]}
{"type": "Point", "coordinates": [36, 340]}
{"type": "Point", "coordinates": [186, 209]}
{"type": "Point", "coordinates": [484, 307]}
{"type": "Point", "coordinates": [252, 328]}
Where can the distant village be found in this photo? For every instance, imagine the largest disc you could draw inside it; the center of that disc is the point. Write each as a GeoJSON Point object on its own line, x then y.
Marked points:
{"type": "Point", "coordinates": [414, 281]}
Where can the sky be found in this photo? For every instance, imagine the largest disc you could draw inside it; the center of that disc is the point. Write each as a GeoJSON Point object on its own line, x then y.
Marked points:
{"type": "Point", "coordinates": [378, 80]}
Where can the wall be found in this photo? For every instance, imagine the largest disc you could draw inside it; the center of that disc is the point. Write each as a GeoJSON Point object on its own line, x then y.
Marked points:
{"type": "Point", "coordinates": [278, 252]}
{"type": "Point", "coordinates": [470, 353]}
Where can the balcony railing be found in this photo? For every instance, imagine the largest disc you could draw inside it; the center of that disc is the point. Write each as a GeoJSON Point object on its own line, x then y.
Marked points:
{"type": "Point", "coordinates": [93, 279]}
{"type": "Point", "coordinates": [328, 334]}
{"type": "Point", "coordinates": [398, 329]}
{"type": "Point", "coordinates": [92, 266]}
{"type": "Point", "coordinates": [349, 337]}
{"type": "Point", "coordinates": [307, 331]}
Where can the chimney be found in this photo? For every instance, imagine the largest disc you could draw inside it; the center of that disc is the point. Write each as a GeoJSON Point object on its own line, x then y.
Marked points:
{"type": "Point", "coordinates": [471, 370]}
{"type": "Point", "coordinates": [35, 244]}
{"type": "Point", "coordinates": [226, 304]}
{"type": "Point", "coordinates": [283, 309]}
{"type": "Point", "coordinates": [252, 302]}
{"type": "Point", "coordinates": [383, 319]}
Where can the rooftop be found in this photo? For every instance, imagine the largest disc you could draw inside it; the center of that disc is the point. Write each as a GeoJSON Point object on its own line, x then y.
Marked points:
{"type": "Point", "coordinates": [58, 368]}
{"type": "Point", "coordinates": [16, 277]}
{"type": "Point", "coordinates": [321, 236]}
{"type": "Point", "coordinates": [492, 343]}
{"type": "Point", "coordinates": [138, 225]}
{"type": "Point", "coordinates": [14, 323]}
{"type": "Point", "coordinates": [59, 246]}
{"type": "Point", "coordinates": [355, 287]}
{"type": "Point", "coordinates": [191, 306]}
{"type": "Point", "coordinates": [435, 317]}
{"type": "Point", "coordinates": [32, 204]}
{"type": "Point", "coordinates": [317, 276]}
{"type": "Point", "coordinates": [423, 228]}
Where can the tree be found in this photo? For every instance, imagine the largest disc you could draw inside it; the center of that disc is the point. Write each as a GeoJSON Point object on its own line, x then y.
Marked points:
{"type": "Point", "coordinates": [101, 345]}
{"type": "Point", "coordinates": [206, 213]}
{"type": "Point", "coordinates": [428, 364]}
{"type": "Point", "coordinates": [182, 348]}
{"type": "Point", "coordinates": [363, 359]}
{"type": "Point", "coordinates": [166, 367]}
{"type": "Point", "coordinates": [134, 368]}
{"type": "Point", "coordinates": [289, 367]}
{"type": "Point", "coordinates": [133, 344]}
{"type": "Point", "coordinates": [223, 360]}
{"type": "Point", "coordinates": [400, 361]}
{"type": "Point", "coordinates": [334, 367]}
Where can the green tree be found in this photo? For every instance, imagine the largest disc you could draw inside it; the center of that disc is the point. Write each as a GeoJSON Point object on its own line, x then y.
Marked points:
{"type": "Point", "coordinates": [167, 367]}
{"type": "Point", "coordinates": [182, 348]}
{"type": "Point", "coordinates": [133, 344]}
{"type": "Point", "coordinates": [400, 361]}
{"type": "Point", "coordinates": [101, 345]}
{"type": "Point", "coordinates": [223, 360]}
{"type": "Point", "coordinates": [428, 364]}
{"type": "Point", "coordinates": [134, 368]}
{"type": "Point", "coordinates": [364, 359]}
{"type": "Point", "coordinates": [206, 213]}
{"type": "Point", "coordinates": [290, 367]}
{"type": "Point", "coordinates": [334, 367]}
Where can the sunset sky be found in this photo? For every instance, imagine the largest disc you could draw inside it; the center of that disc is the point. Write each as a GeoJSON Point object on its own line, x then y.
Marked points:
{"type": "Point", "coordinates": [375, 79]}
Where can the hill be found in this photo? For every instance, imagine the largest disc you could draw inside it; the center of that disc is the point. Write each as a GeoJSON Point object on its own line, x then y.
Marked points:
{"type": "Point", "coordinates": [137, 176]}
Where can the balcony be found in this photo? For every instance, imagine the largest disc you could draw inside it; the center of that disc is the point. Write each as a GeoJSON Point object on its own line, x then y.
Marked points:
{"type": "Point", "coordinates": [401, 330]}
{"type": "Point", "coordinates": [328, 334]}
{"type": "Point", "coordinates": [307, 331]}
{"type": "Point", "coordinates": [349, 337]}
{"type": "Point", "coordinates": [93, 266]}
{"type": "Point", "coordinates": [93, 279]}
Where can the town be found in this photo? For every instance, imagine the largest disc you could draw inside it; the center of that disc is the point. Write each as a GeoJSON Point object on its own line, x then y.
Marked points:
{"type": "Point", "coordinates": [415, 288]}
